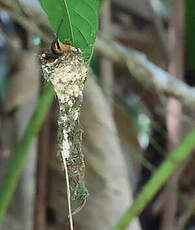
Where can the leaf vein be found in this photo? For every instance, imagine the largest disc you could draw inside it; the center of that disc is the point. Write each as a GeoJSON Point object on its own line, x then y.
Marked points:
{"type": "Point", "coordinates": [95, 12]}
{"type": "Point", "coordinates": [68, 14]}
{"type": "Point", "coordinates": [85, 19]}
{"type": "Point", "coordinates": [86, 41]}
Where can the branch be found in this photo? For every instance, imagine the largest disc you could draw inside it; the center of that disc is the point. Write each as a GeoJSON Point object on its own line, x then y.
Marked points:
{"type": "Point", "coordinates": [145, 72]}
{"type": "Point", "coordinates": [158, 180]}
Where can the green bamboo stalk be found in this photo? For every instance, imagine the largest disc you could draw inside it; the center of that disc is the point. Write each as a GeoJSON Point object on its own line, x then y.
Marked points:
{"type": "Point", "coordinates": [159, 178]}
{"type": "Point", "coordinates": [17, 163]}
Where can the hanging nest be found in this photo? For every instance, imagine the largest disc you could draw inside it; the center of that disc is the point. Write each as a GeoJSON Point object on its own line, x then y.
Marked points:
{"type": "Point", "coordinates": [68, 74]}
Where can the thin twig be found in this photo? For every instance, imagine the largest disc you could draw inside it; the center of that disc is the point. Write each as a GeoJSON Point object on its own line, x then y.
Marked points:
{"type": "Point", "coordinates": [77, 210]}
{"type": "Point", "coordinates": [68, 192]}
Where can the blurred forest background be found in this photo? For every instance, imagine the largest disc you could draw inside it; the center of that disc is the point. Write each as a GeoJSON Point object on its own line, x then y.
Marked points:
{"type": "Point", "coordinates": [132, 118]}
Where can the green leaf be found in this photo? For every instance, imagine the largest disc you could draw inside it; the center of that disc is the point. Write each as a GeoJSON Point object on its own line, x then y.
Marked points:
{"type": "Point", "coordinates": [80, 22]}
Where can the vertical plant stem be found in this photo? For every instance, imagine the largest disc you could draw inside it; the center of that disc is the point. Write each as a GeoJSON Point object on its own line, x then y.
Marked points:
{"type": "Point", "coordinates": [157, 181]}
{"type": "Point", "coordinates": [13, 172]}
{"type": "Point", "coordinates": [41, 176]}
{"type": "Point", "coordinates": [68, 192]}
{"type": "Point", "coordinates": [174, 110]}
{"type": "Point", "coordinates": [106, 67]}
